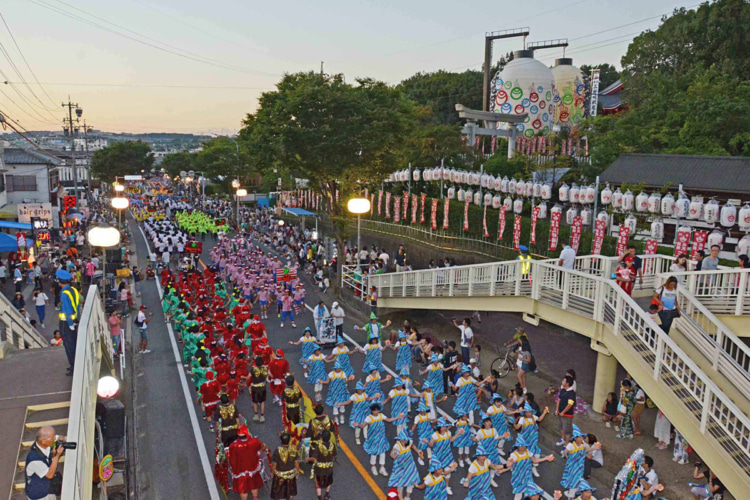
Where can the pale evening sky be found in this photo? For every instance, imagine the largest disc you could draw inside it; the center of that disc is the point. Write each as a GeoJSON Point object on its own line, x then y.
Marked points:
{"type": "Point", "coordinates": [128, 76]}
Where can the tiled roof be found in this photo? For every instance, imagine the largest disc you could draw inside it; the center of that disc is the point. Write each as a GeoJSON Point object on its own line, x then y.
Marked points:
{"type": "Point", "coordinates": [18, 156]}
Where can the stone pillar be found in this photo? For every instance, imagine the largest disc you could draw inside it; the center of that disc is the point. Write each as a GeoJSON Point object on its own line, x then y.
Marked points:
{"type": "Point", "coordinates": [606, 375]}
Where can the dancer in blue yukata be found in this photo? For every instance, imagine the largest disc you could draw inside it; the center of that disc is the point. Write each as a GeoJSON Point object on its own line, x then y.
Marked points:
{"type": "Point", "coordinates": [435, 484]}
{"type": "Point", "coordinates": [499, 415]}
{"type": "Point", "coordinates": [403, 351]}
{"type": "Point", "coordinates": [528, 429]}
{"type": "Point", "coordinates": [341, 353]}
{"type": "Point", "coordinates": [575, 455]}
{"type": "Point", "coordinates": [463, 442]}
{"type": "Point", "coordinates": [442, 454]}
{"type": "Point", "coordinates": [488, 437]}
{"type": "Point", "coordinates": [479, 476]}
{"type": "Point", "coordinates": [399, 398]}
{"type": "Point", "coordinates": [434, 373]}
{"type": "Point", "coordinates": [376, 443]}
{"type": "Point", "coordinates": [466, 402]}
{"type": "Point", "coordinates": [520, 463]}
{"type": "Point", "coordinates": [404, 474]}
{"type": "Point", "coordinates": [337, 391]}
{"type": "Point", "coordinates": [422, 428]}
{"type": "Point", "coordinates": [360, 409]}
{"type": "Point", "coordinates": [315, 367]}
{"type": "Point", "coordinates": [373, 387]}
{"type": "Point", "coordinates": [373, 352]}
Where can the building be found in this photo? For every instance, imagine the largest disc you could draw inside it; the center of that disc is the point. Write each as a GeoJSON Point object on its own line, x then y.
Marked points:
{"type": "Point", "coordinates": [28, 176]}
{"type": "Point", "coordinates": [611, 99]}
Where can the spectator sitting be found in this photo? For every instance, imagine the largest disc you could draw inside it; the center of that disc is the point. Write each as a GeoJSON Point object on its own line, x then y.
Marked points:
{"type": "Point", "coordinates": [609, 411]}
{"type": "Point", "coordinates": [56, 339]}
{"type": "Point", "coordinates": [594, 456]}
{"type": "Point", "coordinates": [713, 489]}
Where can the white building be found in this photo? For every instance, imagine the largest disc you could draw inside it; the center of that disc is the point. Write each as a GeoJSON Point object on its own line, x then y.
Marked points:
{"type": "Point", "coordinates": [26, 176]}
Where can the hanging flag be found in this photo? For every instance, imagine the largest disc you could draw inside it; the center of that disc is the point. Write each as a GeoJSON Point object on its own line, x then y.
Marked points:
{"type": "Point", "coordinates": [433, 214]}
{"type": "Point", "coordinates": [599, 230]}
{"type": "Point", "coordinates": [534, 218]}
{"type": "Point", "coordinates": [570, 146]}
{"type": "Point", "coordinates": [380, 202]}
{"type": "Point", "coordinates": [397, 210]}
{"type": "Point", "coordinates": [517, 233]}
{"type": "Point", "coordinates": [651, 246]}
{"type": "Point", "coordinates": [501, 224]}
{"type": "Point", "coordinates": [484, 223]}
{"type": "Point", "coordinates": [533, 145]}
{"type": "Point", "coordinates": [564, 148]}
{"type": "Point", "coordinates": [492, 146]}
{"type": "Point", "coordinates": [337, 196]}
{"type": "Point", "coordinates": [575, 233]}
{"type": "Point", "coordinates": [554, 230]}
{"type": "Point", "coordinates": [406, 204]}
{"type": "Point", "coordinates": [421, 215]}
{"type": "Point", "coordinates": [699, 243]}
{"type": "Point", "coordinates": [466, 213]}
{"type": "Point", "coordinates": [683, 242]}
{"type": "Point", "coordinates": [587, 145]}
{"type": "Point", "coordinates": [414, 207]}
{"type": "Point", "coordinates": [446, 209]}
{"type": "Point", "coordinates": [578, 146]}
{"type": "Point", "coordinates": [372, 203]}
{"type": "Point", "coordinates": [387, 205]}
{"type": "Point", "coordinates": [367, 193]}
{"type": "Point", "coordinates": [622, 240]}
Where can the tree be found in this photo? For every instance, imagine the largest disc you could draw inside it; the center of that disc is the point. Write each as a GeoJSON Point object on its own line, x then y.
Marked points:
{"type": "Point", "coordinates": [607, 73]}
{"type": "Point", "coordinates": [121, 158]}
{"type": "Point", "coordinates": [175, 163]}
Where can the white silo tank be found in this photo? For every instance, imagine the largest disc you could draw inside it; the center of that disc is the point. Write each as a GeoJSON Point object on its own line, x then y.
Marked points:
{"type": "Point", "coordinates": [569, 95]}
{"type": "Point", "coordinates": [525, 86]}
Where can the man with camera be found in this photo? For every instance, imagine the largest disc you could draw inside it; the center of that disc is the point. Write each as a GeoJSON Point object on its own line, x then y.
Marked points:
{"type": "Point", "coordinates": [42, 479]}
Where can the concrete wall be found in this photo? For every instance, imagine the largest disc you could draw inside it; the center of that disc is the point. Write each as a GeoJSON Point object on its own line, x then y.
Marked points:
{"type": "Point", "coordinates": [41, 195]}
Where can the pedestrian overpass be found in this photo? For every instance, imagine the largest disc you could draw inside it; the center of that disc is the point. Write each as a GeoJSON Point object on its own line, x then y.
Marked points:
{"type": "Point", "coordinates": [698, 375]}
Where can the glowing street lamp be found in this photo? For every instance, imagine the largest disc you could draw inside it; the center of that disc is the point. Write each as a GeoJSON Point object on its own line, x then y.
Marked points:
{"type": "Point", "coordinates": [119, 188]}
{"type": "Point", "coordinates": [236, 184]}
{"type": "Point", "coordinates": [358, 206]}
{"type": "Point", "coordinates": [120, 203]}
{"type": "Point", "coordinates": [103, 236]}
{"type": "Point", "coordinates": [107, 387]}
{"type": "Point", "coordinates": [241, 193]}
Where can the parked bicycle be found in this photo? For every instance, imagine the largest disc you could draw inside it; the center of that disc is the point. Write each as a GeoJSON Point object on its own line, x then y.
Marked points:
{"type": "Point", "coordinates": [505, 362]}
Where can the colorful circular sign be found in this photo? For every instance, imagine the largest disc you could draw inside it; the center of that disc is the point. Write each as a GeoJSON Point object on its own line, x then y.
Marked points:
{"type": "Point", "coordinates": [516, 93]}
{"type": "Point", "coordinates": [519, 109]}
{"type": "Point", "coordinates": [106, 468]}
{"type": "Point", "coordinates": [533, 97]}
{"type": "Point", "coordinates": [501, 97]}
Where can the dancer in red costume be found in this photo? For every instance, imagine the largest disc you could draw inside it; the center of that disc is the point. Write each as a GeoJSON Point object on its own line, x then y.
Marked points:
{"type": "Point", "coordinates": [278, 368]}
{"type": "Point", "coordinates": [244, 462]}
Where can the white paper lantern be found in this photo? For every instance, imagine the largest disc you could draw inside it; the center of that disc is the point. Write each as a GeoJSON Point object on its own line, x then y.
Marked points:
{"type": "Point", "coordinates": [483, 180]}
{"type": "Point", "coordinates": [715, 238]}
{"type": "Point", "coordinates": [537, 190]}
{"type": "Point", "coordinates": [586, 216]}
{"type": "Point", "coordinates": [711, 212]}
{"type": "Point", "coordinates": [478, 198]}
{"type": "Point", "coordinates": [520, 188]}
{"type": "Point", "coordinates": [743, 246]}
{"type": "Point", "coordinates": [575, 194]}
{"type": "Point", "coordinates": [657, 229]}
{"type": "Point", "coordinates": [641, 202]}
{"type": "Point", "coordinates": [518, 206]}
{"type": "Point", "coordinates": [487, 199]}
{"type": "Point", "coordinates": [603, 216]}
{"type": "Point", "coordinates": [451, 193]}
{"type": "Point", "coordinates": [464, 177]}
{"type": "Point", "coordinates": [564, 192]}
{"type": "Point", "coordinates": [695, 211]}
{"type": "Point", "coordinates": [654, 203]}
{"type": "Point", "coordinates": [606, 196]}
{"type": "Point", "coordinates": [452, 175]}
{"type": "Point", "coordinates": [529, 191]}
{"type": "Point", "coordinates": [632, 223]}
{"type": "Point", "coordinates": [728, 215]}
{"type": "Point", "coordinates": [512, 186]}
{"type": "Point", "coordinates": [542, 210]}
{"type": "Point", "coordinates": [461, 195]}
{"type": "Point", "coordinates": [546, 191]}
{"type": "Point", "coordinates": [496, 183]}
{"type": "Point", "coordinates": [590, 194]}
{"type": "Point", "coordinates": [628, 201]}
{"type": "Point", "coordinates": [556, 209]}
{"type": "Point", "coordinates": [508, 203]}
{"type": "Point", "coordinates": [415, 174]}
{"type": "Point", "coordinates": [497, 201]}
{"type": "Point", "coordinates": [469, 195]}
{"type": "Point", "coordinates": [681, 206]}
{"type": "Point", "coordinates": [744, 218]}
{"type": "Point", "coordinates": [445, 174]}
{"type": "Point", "coordinates": [475, 178]}
{"type": "Point", "coordinates": [667, 205]}
{"type": "Point", "coordinates": [571, 214]}
{"type": "Point", "coordinates": [617, 199]}
{"type": "Point", "coordinates": [505, 184]}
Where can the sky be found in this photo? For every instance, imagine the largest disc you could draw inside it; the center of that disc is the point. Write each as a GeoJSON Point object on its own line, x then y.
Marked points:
{"type": "Point", "coordinates": [199, 67]}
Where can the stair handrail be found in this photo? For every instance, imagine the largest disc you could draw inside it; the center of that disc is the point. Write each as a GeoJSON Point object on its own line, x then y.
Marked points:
{"type": "Point", "coordinates": [697, 281]}
{"type": "Point", "coordinates": [19, 332]}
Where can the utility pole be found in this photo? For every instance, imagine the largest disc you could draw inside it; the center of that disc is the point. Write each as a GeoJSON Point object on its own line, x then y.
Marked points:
{"type": "Point", "coordinates": [86, 129]}
{"type": "Point", "coordinates": [72, 130]}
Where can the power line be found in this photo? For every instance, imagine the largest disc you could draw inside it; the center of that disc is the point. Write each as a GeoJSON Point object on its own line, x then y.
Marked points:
{"type": "Point", "coordinates": [148, 85]}
{"type": "Point", "coordinates": [23, 110]}
{"type": "Point", "coordinates": [21, 77]}
{"type": "Point", "coordinates": [24, 58]}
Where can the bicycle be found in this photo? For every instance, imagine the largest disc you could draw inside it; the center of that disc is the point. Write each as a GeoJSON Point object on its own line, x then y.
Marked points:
{"type": "Point", "coordinates": [505, 362]}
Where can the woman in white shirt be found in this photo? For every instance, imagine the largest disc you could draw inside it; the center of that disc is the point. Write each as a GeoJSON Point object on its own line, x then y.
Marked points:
{"type": "Point", "coordinates": [594, 456]}
{"type": "Point", "coordinates": [680, 264]}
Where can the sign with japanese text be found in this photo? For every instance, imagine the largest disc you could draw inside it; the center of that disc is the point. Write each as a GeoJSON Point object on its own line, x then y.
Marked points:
{"type": "Point", "coordinates": [534, 218]}
{"type": "Point", "coordinates": [501, 224]}
{"type": "Point", "coordinates": [517, 233]}
{"type": "Point", "coordinates": [622, 239]}
{"type": "Point", "coordinates": [554, 230]}
{"type": "Point", "coordinates": [575, 233]}
{"type": "Point", "coordinates": [599, 230]}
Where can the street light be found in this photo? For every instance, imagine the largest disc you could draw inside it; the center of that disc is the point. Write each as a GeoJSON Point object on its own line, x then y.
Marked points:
{"type": "Point", "coordinates": [281, 223]}
{"type": "Point", "coordinates": [107, 387]}
{"type": "Point", "coordinates": [236, 184]}
{"type": "Point", "coordinates": [120, 203]}
{"type": "Point", "coordinates": [103, 236]}
{"type": "Point", "coordinates": [358, 206]}
{"type": "Point", "coordinates": [119, 188]}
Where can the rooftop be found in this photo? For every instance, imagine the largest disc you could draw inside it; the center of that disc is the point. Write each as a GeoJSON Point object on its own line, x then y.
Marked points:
{"type": "Point", "coordinates": [19, 156]}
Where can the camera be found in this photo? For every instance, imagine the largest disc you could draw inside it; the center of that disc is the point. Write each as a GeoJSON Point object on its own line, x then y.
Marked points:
{"type": "Point", "coordinates": [66, 445]}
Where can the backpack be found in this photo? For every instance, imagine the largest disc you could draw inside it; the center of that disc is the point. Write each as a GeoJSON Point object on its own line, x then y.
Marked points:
{"type": "Point", "coordinates": [532, 363]}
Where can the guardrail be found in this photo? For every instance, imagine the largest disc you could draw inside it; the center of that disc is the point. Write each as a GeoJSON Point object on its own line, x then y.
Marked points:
{"type": "Point", "coordinates": [353, 278]}
{"type": "Point", "coordinates": [15, 330]}
{"type": "Point", "coordinates": [726, 291]}
{"type": "Point", "coordinates": [94, 344]}
{"type": "Point", "coordinates": [602, 300]}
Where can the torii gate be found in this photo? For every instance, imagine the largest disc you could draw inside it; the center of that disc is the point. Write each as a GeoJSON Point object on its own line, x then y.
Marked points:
{"type": "Point", "coordinates": [472, 129]}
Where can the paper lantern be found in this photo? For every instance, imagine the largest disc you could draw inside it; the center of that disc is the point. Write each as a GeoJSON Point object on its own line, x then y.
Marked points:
{"type": "Point", "coordinates": [571, 214]}
{"type": "Point", "coordinates": [546, 191]}
{"type": "Point", "coordinates": [487, 199]}
{"type": "Point", "coordinates": [574, 194]}
{"type": "Point", "coordinates": [520, 188]}
{"type": "Point", "coordinates": [512, 186]}
{"type": "Point", "coordinates": [484, 180]}
{"type": "Point", "coordinates": [586, 216]}
{"type": "Point", "coordinates": [497, 183]}
{"type": "Point", "coordinates": [744, 217]}
{"type": "Point", "coordinates": [464, 179]}
{"type": "Point", "coordinates": [564, 192]}
{"type": "Point", "coordinates": [556, 209]}
{"type": "Point", "coordinates": [715, 238]}
{"type": "Point", "coordinates": [537, 190]}
{"type": "Point", "coordinates": [452, 175]}
{"type": "Point", "coordinates": [445, 174]}
{"type": "Point", "coordinates": [606, 196]}
{"type": "Point", "coordinates": [628, 201]}
{"type": "Point", "coordinates": [711, 212]}
{"type": "Point", "coordinates": [617, 199]}
{"type": "Point", "coordinates": [654, 203]}
{"type": "Point", "coordinates": [681, 206]}
{"type": "Point", "coordinates": [529, 191]}
{"type": "Point", "coordinates": [451, 193]}
{"type": "Point", "coordinates": [461, 195]}
{"type": "Point", "coordinates": [505, 185]}
{"type": "Point", "coordinates": [416, 173]}
{"type": "Point", "coordinates": [497, 201]}
{"type": "Point", "coordinates": [632, 223]}
{"type": "Point", "coordinates": [603, 216]}
{"type": "Point", "coordinates": [478, 198]}
{"type": "Point", "coordinates": [743, 246]}
{"type": "Point", "coordinates": [469, 195]}
{"type": "Point", "coordinates": [518, 206]}
{"type": "Point", "coordinates": [590, 194]}
{"type": "Point", "coordinates": [657, 229]}
{"type": "Point", "coordinates": [695, 211]}
{"type": "Point", "coordinates": [542, 210]}
{"type": "Point", "coordinates": [667, 205]}
{"type": "Point", "coordinates": [475, 178]}
{"type": "Point", "coordinates": [728, 215]}
{"type": "Point", "coordinates": [641, 202]}
{"type": "Point", "coordinates": [508, 203]}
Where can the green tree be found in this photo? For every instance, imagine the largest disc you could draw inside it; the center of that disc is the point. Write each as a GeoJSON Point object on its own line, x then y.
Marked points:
{"type": "Point", "coordinates": [175, 163]}
{"type": "Point", "coordinates": [607, 73]}
{"type": "Point", "coordinates": [121, 158]}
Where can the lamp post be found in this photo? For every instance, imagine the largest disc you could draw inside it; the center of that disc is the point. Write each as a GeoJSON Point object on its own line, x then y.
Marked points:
{"type": "Point", "coordinates": [120, 203]}
{"type": "Point", "coordinates": [358, 206]}
{"type": "Point", "coordinates": [241, 193]}
{"type": "Point", "coordinates": [103, 236]}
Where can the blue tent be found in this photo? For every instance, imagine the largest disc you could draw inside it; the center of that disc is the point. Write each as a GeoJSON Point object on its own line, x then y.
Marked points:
{"type": "Point", "coordinates": [8, 243]}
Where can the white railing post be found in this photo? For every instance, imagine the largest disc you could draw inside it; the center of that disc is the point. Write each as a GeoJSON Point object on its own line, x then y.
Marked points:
{"type": "Point", "coordinates": [434, 282]}
{"type": "Point", "coordinates": [706, 410]}
{"type": "Point", "coordinates": [518, 276]}
{"type": "Point", "coordinates": [598, 302]}
{"type": "Point", "coordinates": [390, 286]}
{"type": "Point", "coordinates": [403, 284]}
{"type": "Point", "coordinates": [741, 295]}
{"type": "Point", "coordinates": [659, 356]}
{"type": "Point", "coordinates": [719, 348]}
{"type": "Point", "coordinates": [451, 280]}
{"type": "Point", "coordinates": [472, 273]}
{"type": "Point", "coordinates": [618, 315]}
{"type": "Point", "coordinates": [494, 270]}
{"type": "Point", "coordinates": [566, 290]}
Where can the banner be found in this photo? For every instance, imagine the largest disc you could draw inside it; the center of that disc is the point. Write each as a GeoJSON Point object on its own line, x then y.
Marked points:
{"type": "Point", "coordinates": [372, 203]}
{"type": "Point", "coordinates": [622, 240]}
{"type": "Point", "coordinates": [534, 218]}
{"type": "Point", "coordinates": [414, 207]}
{"type": "Point", "coordinates": [484, 223]}
{"type": "Point", "coordinates": [683, 242]}
{"type": "Point", "coordinates": [699, 243]}
{"type": "Point", "coordinates": [397, 210]}
{"type": "Point", "coordinates": [406, 205]}
{"type": "Point", "coordinates": [380, 203]}
{"type": "Point", "coordinates": [446, 208]}
{"type": "Point", "coordinates": [651, 246]}
{"type": "Point", "coordinates": [501, 224]}
{"type": "Point", "coordinates": [517, 233]}
{"type": "Point", "coordinates": [466, 213]}
{"type": "Point", "coordinates": [367, 193]}
{"type": "Point", "coordinates": [387, 205]}
{"type": "Point", "coordinates": [554, 230]}
{"type": "Point", "coordinates": [433, 214]}
{"type": "Point", "coordinates": [421, 215]}
{"type": "Point", "coordinates": [575, 233]}
{"type": "Point", "coordinates": [599, 230]}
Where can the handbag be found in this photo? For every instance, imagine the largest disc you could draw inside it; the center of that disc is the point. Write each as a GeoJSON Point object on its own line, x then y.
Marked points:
{"type": "Point", "coordinates": [55, 484]}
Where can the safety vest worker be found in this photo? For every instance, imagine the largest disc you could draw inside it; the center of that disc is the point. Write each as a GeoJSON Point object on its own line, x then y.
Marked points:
{"type": "Point", "coordinates": [525, 259]}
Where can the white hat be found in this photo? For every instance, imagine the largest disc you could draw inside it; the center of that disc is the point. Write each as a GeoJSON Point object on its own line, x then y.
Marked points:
{"type": "Point", "coordinates": [472, 360]}
{"type": "Point", "coordinates": [335, 304]}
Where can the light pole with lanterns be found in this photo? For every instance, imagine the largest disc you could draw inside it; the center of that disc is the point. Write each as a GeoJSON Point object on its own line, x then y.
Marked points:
{"type": "Point", "coordinates": [241, 193]}
{"type": "Point", "coordinates": [103, 236]}
{"type": "Point", "coordinates": [358, 206]}
{"type": "Point", "coordinates": [120, 203]}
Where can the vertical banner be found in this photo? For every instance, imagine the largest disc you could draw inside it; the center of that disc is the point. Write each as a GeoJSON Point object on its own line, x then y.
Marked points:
{"type": "Point", "coordinates": [683, 242]}
{"type": "Point", "coordinates": [446, 210]}
{"type": "Point", "coordinates": [599, 230]}
{"type": "Point", "coordinates": [501, 224]}
{"type": "Point", "coordinates": [554, 230]}
{"type": "Point", "coordinates": [517, 233]}
{"type": "Point", "coordinates": [367, 193]}
{"type": "Point", "coordinates": [387, 205]}
{"type": "Point", "coordinates": [466, 214]}
{"type": "Point", "coordinates": [414, 207]}
{"type": "Point", "coordinates": [380, 202]}
{"type": "Point", "coordinates": [575, 233]}
{"type": "Point", "coordinates": [651, 246]}
{"type": "Point", "coordinates": [406, 204]}
{"type": "Point", "coordinates": [484, 223]}
{"type": "Point", "coordinates": [433, 214]}
{"type": "Point", "coordinates": [397, 210]}
{"type": "Point", "coordinates": [372, 203]}
{"type": "Point", "coordinates": [699, 243]}
{"type": "Point", "coordinates": [421, 215]}
{"type": "Point", "coordinates": [534, 218]}
{"type": "Point", "coordinates": [622, 239]}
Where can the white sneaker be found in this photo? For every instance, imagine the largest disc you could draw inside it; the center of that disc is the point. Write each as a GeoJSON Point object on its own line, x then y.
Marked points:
{"type": "Point", "coordinates": [359, 441]}
{"type": "Point", "coordinates": [383, 472]}
{"type": "Point", "coordinates": [419, 460]}
{"type": "Point", "coordinates": [449, 490]}
{"type": "Point", "coordinates": [617, 428]}
{"type": "Point", "coordinates": [460, 462]}
{"type": "Point", "coordinates": [535, 472]}
{"type": "Point", "coordinates": [147, 351]}
{"type": "Point", "coordinates": [282, 325]}
{"type": "Point", "coordinates": [500, 452]}
{"type": "Point", "coordinates": [493, 483]}
{"type": "Point", "coordinates": [374, 470]}
{"type": "Point", "coordinates": [608, 424]}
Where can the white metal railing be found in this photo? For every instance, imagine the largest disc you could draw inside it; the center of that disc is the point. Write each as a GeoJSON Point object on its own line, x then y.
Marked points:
{"type": "Point", "coordinates": [353, 278]}
{"type": "Point", "coordinates": [94, 343]}
{"type": "Point", "coordinates": [602, 300]}
{"type": "Point", "coordinates": [726, 291]}
{"type": "Point", "coordinates": [17, 331]}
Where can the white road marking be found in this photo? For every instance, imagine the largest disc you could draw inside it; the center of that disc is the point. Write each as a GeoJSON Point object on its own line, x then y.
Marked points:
{"type": "Point", "coordinates": [207, 466]}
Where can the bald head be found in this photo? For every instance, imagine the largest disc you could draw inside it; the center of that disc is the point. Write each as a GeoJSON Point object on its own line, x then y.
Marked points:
{"type": "Point", "coordinates": [45, 436]}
